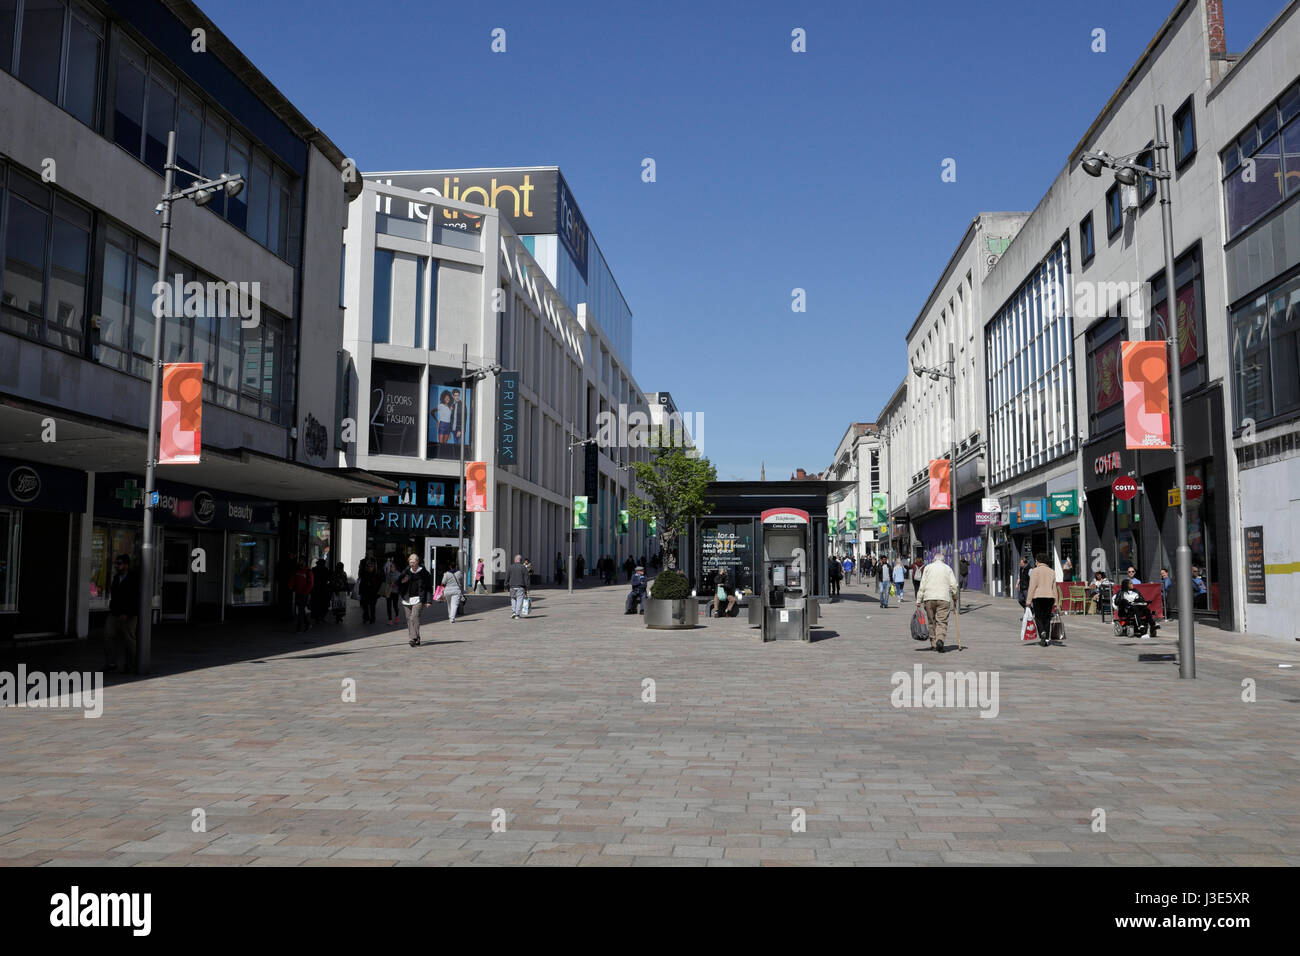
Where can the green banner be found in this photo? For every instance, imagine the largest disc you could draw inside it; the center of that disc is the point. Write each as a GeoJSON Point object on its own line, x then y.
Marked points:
{"type": "Point", "coordinates": [579, 511]}
{"type": "Point", "coordinates": [851, 518]}
{"type": "Point", "coordinates": [622, 522]}
{"type": "Point", "coordinates": [880, 505]}
{"type": "Point", "coordinates": [1062, 503]}
{"type": "Point", "coordinates": [654, 526]}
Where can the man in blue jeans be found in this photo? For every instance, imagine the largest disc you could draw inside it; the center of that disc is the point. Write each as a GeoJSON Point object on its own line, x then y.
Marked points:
{"type": "Point", "coordinates": [517, 585]}
{"type": "Point", "coordinates": [884, 578]}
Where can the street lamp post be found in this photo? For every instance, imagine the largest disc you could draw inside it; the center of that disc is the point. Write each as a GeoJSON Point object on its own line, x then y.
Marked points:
{"type": "Point", "coordinates": [949, 372]}
{"type": "Point", "coordinates": [572, 445]}
{"type": "Point", "coordinates": [466, 378]}
{"type": "Point", "coordinates": [201, 191]}
{"type": "Point", "coordinates": [1127, 173]}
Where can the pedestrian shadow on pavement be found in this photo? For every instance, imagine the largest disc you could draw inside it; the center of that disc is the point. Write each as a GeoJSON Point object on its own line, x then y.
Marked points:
{"type": "Point", "coordinates": [818, 634]}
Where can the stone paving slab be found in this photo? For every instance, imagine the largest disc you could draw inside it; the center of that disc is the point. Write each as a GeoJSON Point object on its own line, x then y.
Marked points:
{"type": "Point", "coordinates": [541, 723]}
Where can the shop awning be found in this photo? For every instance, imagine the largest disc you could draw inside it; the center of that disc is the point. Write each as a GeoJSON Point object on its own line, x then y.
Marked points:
{"type": "Point", "coordinates": [90, 445]}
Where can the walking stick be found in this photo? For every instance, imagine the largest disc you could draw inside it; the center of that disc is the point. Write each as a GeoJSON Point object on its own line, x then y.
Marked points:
{"type": "Point", "coordinates": [956, 607]}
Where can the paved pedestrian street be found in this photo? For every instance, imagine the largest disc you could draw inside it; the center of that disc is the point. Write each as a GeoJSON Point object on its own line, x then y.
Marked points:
{"type": "Point", "coordinates": [739, 753]}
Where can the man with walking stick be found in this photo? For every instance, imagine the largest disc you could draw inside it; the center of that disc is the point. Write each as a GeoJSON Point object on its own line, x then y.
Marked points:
{"type": "Point", "coordinates": [938, 594]}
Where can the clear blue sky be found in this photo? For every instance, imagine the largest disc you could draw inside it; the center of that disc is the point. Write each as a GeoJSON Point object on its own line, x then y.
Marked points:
{"type": "Point", "coordinates": [776, 170]}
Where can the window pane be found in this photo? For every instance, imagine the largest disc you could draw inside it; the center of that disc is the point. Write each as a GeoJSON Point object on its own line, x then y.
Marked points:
{"type": "Point", "coordinates": [114, 307]}
{"type": "Point", "coordinates": [85, 49]}
{"type": "Point", "coordinates": [1284, 335]}
{"type": "Point", "coordinates": [228, 356]}
{"type": "Point", "coordinates": [128, 99]}
{"type": "Point", "coordinates": [418, 336]}
{"type": "Point", "coordinates": [24, 270]}
{"type": "Point", "coordinates": [1254, 188]}
{"type": "Point", "coordinates": [177, 328]}
{"type": "Point", "coordinates": [42, 46]}
{"type": "Point", "coordinates": [275, 225]}
{"type": "Point", "coordinates": [258, 193]}
{"type": "Point", "coordinates": [214, 159]}
{"type": "Point", "coordinates": [251, 377]}
{"type": "Point", "coordinates": [189, 133]}
{"type": "Point", "coordinates": [205, 342]}
{"type": "Point", "coordinates": [1291, 156]}
{"type": "Point", "coordinates": [382, 310]}
{"type": "Point", "coordinates": [68, 284]}
{"type": "Point", "coordinates": [1184, 134]}
{"type": "Point", "coordinates": [1254, 387]}
{"type": "Point", "coordinates": [270, 348]}
{"type": "Point", "coordinates": [237, 165]}
{"type": "Point", "coordinates": [161, 118]}
{"type": "Point", "coordinates": [146, 274]}
{"type": "Point", "coordinates": [8, 9]}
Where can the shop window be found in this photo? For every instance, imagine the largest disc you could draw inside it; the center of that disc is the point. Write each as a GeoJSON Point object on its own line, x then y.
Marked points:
{"type": "Point", "coordinates": [11, 527]}
{"type": "Point", "coordinates": [1284, 346]}
{"type": "Point", "coordinates": [107, 541]}
{"type": "Point", "coordinates": [250, 559]}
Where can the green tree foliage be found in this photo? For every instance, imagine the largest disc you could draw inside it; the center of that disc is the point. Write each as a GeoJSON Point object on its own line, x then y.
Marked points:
{"type": "Point", "coordinates": [670, 489]}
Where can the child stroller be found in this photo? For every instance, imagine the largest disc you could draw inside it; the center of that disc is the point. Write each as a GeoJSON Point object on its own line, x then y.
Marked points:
{"type": "Point", "coordinates": [1134, 618]}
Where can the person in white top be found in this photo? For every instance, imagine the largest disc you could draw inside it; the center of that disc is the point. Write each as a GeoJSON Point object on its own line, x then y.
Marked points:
{"type": "Point", "coordinates": [938, 594]}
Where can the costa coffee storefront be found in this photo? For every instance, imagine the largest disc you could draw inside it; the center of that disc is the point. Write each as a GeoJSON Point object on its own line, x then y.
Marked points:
{"type": "Point", "coordinates": [1142, 531]}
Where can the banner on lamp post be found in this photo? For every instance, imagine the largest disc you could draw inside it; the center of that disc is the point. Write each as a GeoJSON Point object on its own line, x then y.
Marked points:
{"type": "Point", "coordinates": [940, 485]}
{"type": "Point", "coordinates": [579, 511]}
{"type": "Point", "coordinates": [851, 521]}
{"type": "Point", "coordinates": [1146, 395]}
{"type": "Point", "coordinates": [476, 486]}
{"type": "Point", "coordinates": [879, 505]}
{"type": "Point", "coordinates": [179, 434]}
{"type": "Point", "coordinates": [622, 522]}
{"type": "Point", "coordinates": [654, 527]}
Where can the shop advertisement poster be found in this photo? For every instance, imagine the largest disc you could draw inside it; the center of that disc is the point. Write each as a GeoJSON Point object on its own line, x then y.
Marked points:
{"type": "Point", "coordinates": [1256, 582]}
{"type": "Point", "coordinates": [182, 414]}
{"type": "Point", "coordinates": [940, 486]}
{"type": "Point", "coordinates": [1146, 395]}
{"type": "Point", "coordinates": [476, 486]}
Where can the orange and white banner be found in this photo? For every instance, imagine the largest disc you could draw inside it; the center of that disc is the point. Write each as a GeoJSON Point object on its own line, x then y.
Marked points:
{"type": "Point", "coordinates": [940, 484]}
{"type": "Point", "coordinates": [476, 486]}
{"type": "Point", "coordinates": [179, 441]}
{"type": "Point", "coordinates": [1146, 395]}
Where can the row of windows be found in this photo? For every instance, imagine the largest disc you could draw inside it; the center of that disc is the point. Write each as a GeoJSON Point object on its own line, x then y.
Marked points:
{"type": "Point", "coordinates": [1262, 166]}
{"type": "Point", "coordinates": [403, 302]}
{"type": "Point", "coordinates": [59, 48]}
{"type": "Point", "coordinates": [1029, 351]}
{"type": "Point", "coordinates": [58, 259]}
{"type": "Point", "coordinates": [1266, 353]}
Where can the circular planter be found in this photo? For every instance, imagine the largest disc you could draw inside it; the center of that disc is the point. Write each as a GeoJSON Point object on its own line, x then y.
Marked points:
{"type": "Point", "coordinates": [672, 615]}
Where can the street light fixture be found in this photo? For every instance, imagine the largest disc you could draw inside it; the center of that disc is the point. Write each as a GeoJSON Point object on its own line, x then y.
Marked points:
{"type": "Point", "coordinates": [948, 371]}
{"type": "Point", "coordinates": [467, 377]}
{"type": "Point", "coordinates": [1127, 173]}
{"type": "Point", "coordinates": [572, 445]}
{"type": "Point", "coordinates": [201, 193]}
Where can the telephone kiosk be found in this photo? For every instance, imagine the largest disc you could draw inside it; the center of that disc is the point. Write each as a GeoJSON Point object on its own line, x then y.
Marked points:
{"type": "Point", "coordinates": [789, 609]}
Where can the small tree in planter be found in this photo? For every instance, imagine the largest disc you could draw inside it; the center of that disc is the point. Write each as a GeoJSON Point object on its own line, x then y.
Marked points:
{"type": "Point", "coordinates": [671, 490]}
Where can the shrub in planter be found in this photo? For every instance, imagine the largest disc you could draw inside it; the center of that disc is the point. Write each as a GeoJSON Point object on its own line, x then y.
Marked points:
{"type": "Point", "coordinates": [670, 586]}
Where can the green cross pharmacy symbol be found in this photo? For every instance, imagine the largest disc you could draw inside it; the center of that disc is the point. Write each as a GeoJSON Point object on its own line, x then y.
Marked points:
{"type": "Point", "coordinates": [129, 494]}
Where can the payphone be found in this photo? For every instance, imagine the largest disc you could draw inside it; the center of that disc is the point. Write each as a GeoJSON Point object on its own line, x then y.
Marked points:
{"type": "Point", "coordinates": [788, 604]}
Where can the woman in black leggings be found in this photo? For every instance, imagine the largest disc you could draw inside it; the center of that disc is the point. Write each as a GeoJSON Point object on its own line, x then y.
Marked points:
{"type": "Point", "coordinates": [1042, 595]}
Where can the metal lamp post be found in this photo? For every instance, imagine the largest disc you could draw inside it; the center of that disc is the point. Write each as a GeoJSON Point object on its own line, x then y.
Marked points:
{"type": "Point", "coordinates": [572, 445]}
{"type": "Point", "coordinates": [466, 378]}
{"type": "Point", "coordinates": [948, 371]}
{"type": "Point", "coordinates": [1127, 173]}
{"type": "Point", "coordinates": [201, 192]}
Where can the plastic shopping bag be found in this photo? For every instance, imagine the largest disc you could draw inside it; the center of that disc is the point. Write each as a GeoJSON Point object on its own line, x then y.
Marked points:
{"type": "Point", "coordinates": [920, 629]}
{"type": "Point", "coordinates": [1028, 629]}
{"type": "Point", "coordinates": [526, 606]}
{"type": "Point", "coordinates": [437, 593]}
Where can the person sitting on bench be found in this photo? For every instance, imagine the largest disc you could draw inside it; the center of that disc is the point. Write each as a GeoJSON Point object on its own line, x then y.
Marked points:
{"type": "Point", "coordinates": [636, 597]}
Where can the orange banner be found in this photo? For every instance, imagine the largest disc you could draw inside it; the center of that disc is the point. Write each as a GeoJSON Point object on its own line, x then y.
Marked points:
{"type": "Point", "coordinates": [182, 414]}
{"type": "Point", "coordinates": [1146, 395]}
{"type": "Point", "coordinates": [940, 485]}
{"type": "Point", "coordinates": [476, 486]}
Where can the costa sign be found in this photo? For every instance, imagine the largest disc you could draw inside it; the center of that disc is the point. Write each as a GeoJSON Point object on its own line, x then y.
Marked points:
{"type": "Point", "coordinates": [1107, 463]}
{"type": "Point", "coordinates": [1124, 487]}
{"type": "Point", "coordinates": [1195, 489]}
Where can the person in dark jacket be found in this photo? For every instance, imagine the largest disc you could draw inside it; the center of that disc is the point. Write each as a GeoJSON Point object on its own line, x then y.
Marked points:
{"type": "Point", "coordinates": [413, 591]}
{"type": "Point", "coordinates": [123, 615]}
{"type": "Point", "coordinates": [517, 585]}
{"type": "Point", "coordinates": [636, 597]}
{"type": "Point", "coordinates": [300, 584]}
{"type": "Point", "coordinates": [369, 580]}
{"type": "Point", "coordinates": [1022, 582]}
{"type": "Point", "coordinates": [581, 568]}
{"type": "Point", "coordinates": [836, 573]}
{"type": "Point", "coordinates": [321, 590]}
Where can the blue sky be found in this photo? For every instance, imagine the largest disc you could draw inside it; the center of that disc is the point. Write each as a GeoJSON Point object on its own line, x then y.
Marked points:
{"type": "Point", "coordinates": [775, 170]}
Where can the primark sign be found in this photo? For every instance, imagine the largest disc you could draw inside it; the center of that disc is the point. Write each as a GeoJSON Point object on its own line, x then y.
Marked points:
{"type": "Point", "coordinates": [535, 200]}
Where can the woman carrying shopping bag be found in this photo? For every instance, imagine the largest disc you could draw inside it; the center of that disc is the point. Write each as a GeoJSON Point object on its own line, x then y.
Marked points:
{"type": "Point", "coordinates": [453, 591]}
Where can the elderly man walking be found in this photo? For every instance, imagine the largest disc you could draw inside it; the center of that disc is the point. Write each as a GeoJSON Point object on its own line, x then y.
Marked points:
{"type": "Point", "coordinates": [517, 583]}
{"type": "Point", "coordinates": [938, 594]}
